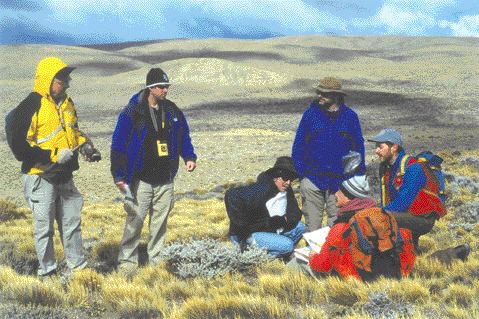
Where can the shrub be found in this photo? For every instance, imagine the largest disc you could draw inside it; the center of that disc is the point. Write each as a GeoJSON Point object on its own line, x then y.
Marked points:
{"type": "Point", "coordinates": [469, 212]}
{"type": "Point", "coordinates": [379, 305]}
{"type": "Point", "coordinates": [209, 258]}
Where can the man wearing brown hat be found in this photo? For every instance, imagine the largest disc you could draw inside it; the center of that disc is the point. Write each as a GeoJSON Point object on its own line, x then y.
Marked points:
{"type": "Point", "coordinates": [150, 136]}
{"type": "Point", "coordinates": [328, 131]}
{"type": "Point", "coordinates": [266, 213]}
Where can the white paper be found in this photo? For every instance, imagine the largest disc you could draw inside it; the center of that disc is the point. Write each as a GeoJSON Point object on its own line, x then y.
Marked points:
{"type": "Point", "coordinates": [127, 192]}
{"type": "Point", "coordinates": [316, 238]}
{"type": "Point", "coordinates": [302, 253]}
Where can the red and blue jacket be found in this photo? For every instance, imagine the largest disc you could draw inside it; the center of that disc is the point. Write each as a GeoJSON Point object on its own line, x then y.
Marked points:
{"type": "Point", "coordinates": [407, 186]}
{"type": "Point", "coordinates": [128, 140]}
{"type": "Point", "coordinates": [321, 142]}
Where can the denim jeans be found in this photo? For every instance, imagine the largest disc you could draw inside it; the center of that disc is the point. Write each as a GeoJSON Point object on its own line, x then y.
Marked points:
{"type": "Point", "coordinates": [276, 244]}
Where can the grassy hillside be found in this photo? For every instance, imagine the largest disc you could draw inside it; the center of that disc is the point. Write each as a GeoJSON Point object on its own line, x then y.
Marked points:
{"type": "Point", "coordinates": [232, 91]}
{"type": "Point", "coordinates": [243, 100]}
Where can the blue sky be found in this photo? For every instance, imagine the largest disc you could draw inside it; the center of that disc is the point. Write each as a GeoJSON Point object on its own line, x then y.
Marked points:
{"type": "Point", "coordinates": [106, 21]}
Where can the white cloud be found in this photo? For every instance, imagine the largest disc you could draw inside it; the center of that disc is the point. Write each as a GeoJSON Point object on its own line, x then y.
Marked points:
{"type": "Point", "coordinates": [401, 21]}
{"type": "Point", "coordinates": [467, 26]}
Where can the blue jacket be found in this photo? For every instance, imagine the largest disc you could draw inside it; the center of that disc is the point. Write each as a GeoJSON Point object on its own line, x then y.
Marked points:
{"type": "Point", "coordinates": [413, 181]}
{"type": "Point", "coordinates": [128, 149]}
{"type": "Point", "coordinates": [321, 142]}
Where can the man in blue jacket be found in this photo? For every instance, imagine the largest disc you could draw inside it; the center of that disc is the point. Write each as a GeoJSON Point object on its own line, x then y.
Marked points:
{"type": "Point", "coordinates": [328, 131]}
{"type": "Point", "coordinates": [150, 136]}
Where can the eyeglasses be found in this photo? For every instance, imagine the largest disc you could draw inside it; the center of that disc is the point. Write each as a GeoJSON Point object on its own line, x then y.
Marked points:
{"type": "Point", "coordinates": [62, 82]}
{"type": "Point", "coordinates": [325, 94]}
{"type": "Point", "coordinates": [161, 86]}
{"type": "Point", "coordinates": [287, 177]}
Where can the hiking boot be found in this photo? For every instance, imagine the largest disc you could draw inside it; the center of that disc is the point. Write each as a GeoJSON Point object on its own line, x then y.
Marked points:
{"type": "Point", "coordinates": [48, 275]}
{"type": "Point", "coordinates": [462, 251]}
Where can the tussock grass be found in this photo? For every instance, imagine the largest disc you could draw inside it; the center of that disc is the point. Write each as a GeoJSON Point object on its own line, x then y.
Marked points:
{"type": "Point", "coordinates": [227, 306]}
{"type": "Point", "coordinates": [292, 287]}
{"type": "Point", "coordinates": [29, 290]}
{"type": "Point", "coordinates": [131, 300]}
{"type": "Point", "coordinates": [409, 290]}
{"type": "Point", "coordinates": [10, 211]}
{"type": "Point", "coordinates": [268, 290]}
{"type": "Point", "coordinates": [345, 292]}
{"type": "Point", "coordinates": [457, 294]}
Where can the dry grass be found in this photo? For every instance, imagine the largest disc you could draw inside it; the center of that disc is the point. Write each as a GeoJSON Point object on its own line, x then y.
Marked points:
{"type": "Point", "coordinates": [243, 101]}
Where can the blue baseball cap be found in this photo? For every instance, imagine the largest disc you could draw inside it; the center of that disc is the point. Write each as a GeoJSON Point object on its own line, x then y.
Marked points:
{"type": "Point", "coordinates": [387, 135]}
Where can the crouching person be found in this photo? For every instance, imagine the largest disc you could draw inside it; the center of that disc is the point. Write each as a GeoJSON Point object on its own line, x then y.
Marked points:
{"type": "Point", "coordinates": [390, 255]}
{"type": "Point", "coordinates": [266, 213]}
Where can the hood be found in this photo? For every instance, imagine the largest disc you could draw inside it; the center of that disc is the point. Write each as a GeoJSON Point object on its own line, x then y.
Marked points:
{"type": "Point", "coordinates": [46, 71]}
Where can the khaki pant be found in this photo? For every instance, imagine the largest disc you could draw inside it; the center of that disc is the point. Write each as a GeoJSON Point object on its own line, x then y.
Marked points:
{"type": "Point", "coordinates": [50, 202]}
{"type": "Point", "coordinates": [315, 201]}
{"type": "Point", "coordinates": [156, 201]}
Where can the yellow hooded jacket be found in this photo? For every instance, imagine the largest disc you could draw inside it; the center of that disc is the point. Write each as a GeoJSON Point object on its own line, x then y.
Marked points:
{"type": "Point", "coordinates": [43, 128]}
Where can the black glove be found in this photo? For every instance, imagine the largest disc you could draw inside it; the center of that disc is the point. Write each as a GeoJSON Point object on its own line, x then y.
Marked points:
{"type": "Point", "coordinates": [277, 222]}
{"type": "Point", "coordinates": [90, 153]}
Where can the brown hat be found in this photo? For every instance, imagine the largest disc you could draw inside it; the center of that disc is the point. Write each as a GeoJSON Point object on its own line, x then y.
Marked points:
{"type": "Point", "coordinates": [329, 84]}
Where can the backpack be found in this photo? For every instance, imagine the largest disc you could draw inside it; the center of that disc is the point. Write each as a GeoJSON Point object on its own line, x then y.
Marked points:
{"type": "Point", "coordinates": [10, 131]}
{"type": "Point", "coordinates": [375, 243]}
{"type": "Point", "coordinates": [433, 162]}
{"type": "Point", "coordinates": [433, 195]}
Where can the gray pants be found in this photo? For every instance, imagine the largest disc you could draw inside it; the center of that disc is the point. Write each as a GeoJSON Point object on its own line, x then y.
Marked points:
{"type": "Point", "coordinates": [156, 201]}
{"type": "Point", "coordinates": [50, 202]}
{"type": "Point", "coordinates": [315, 201]}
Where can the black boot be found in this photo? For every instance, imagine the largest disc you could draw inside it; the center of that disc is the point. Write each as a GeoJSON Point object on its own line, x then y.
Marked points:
{"type": "Point", "coordinates": [462, 251]}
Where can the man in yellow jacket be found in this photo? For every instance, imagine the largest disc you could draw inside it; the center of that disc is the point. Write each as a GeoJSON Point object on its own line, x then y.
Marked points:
{"type": "Point", "coordinates": [44, 135]}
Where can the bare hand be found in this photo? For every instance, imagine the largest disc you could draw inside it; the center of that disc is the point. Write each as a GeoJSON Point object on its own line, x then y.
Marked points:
{"type": "Point", "coordinates": [121, 186]}
{"type": "Point", "coordinates": [190, 166]}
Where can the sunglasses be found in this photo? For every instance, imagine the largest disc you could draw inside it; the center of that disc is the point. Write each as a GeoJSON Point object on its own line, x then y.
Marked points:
{"type": "Point", "coordinates": [160, 87]}
{"type": "Point", "coordinates": [325, 94]}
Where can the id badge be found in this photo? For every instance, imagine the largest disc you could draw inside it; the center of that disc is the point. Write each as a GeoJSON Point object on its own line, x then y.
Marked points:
{"type": "Point", "coordinates": [162, 149]}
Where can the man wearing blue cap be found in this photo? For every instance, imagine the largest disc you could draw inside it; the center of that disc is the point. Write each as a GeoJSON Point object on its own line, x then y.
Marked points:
{"type": "Point", "coordinates": [406, 186]}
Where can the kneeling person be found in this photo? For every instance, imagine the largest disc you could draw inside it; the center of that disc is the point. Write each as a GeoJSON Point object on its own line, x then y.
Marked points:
{"type": "Point", "coordinates": [266, 213]}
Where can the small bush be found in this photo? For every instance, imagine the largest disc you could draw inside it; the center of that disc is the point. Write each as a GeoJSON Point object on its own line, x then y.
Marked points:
{"type": "Point", "coordinates": [379, 305]}
{"type": "Point", "coordinates": [209, 258]}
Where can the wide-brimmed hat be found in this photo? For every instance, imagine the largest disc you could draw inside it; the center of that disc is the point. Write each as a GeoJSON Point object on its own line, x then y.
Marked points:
{"type": "Point", "coordinates": [329, 84]}
{"type": "Point", "coordinates": [388, 135]}
{"type": "Point", "coordinates": [283, 165]}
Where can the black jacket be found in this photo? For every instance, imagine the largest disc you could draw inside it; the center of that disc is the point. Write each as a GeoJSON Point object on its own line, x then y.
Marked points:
{"type": "Point", "coordinates": [246, 207]}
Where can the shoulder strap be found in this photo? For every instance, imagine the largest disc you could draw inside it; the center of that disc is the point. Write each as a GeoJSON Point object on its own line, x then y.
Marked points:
{"type": "Point", "coordinates": [405, 161]}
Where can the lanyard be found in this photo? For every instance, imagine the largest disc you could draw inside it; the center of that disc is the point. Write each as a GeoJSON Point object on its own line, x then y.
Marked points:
{"type": "Point", "coordinates": [153, 118]}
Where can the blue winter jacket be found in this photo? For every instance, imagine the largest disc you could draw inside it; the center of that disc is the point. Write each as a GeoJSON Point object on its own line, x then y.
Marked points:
{"type": "Point", "coordinates": [321, 143]}
{"type": "Point", "coordinates": [128, 149]}
{"type": "Point", "coordinates": [413, 180]}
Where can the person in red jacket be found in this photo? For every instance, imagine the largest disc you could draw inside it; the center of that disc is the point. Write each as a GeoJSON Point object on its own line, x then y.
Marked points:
{"type": "Point", "coordinates": [335, 256]}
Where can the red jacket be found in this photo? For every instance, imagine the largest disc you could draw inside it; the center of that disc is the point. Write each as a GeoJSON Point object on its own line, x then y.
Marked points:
{"type": "Point", "coordinates": [335, 254]}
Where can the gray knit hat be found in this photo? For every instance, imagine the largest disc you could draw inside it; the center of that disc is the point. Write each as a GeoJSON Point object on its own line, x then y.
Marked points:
{"type": "Point", "coordinates": [355, 187]}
